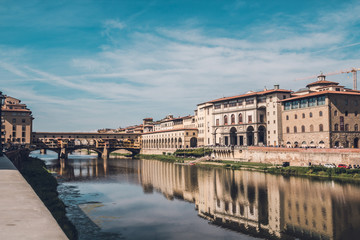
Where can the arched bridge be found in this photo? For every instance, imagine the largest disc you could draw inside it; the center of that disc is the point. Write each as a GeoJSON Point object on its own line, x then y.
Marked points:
{"type": "Point", "coordinates": [103, 143]}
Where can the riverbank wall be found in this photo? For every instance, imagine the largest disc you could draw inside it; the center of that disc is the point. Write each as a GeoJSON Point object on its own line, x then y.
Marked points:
{"type": "Point", "coordinates": [276, 155]}
{"type": "Point", "coordinates": [23, 214]}
{"type": "Point", "coordinates": [295, 156]}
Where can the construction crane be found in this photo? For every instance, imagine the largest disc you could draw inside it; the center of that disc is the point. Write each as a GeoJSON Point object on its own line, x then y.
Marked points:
{"type": "Point", "coordinates": [352, 70]}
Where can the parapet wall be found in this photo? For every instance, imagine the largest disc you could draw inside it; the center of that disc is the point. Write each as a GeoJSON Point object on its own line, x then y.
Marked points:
{"type": "Point", "coordinates": [296, 156]}
{"type": "Point", "coordinates": [150, 151]}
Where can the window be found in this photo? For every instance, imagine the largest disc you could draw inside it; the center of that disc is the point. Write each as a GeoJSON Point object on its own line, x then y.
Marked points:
{"type": "Point", "coordinates": [14, 127]}
{"type": "Point", "coordinates": [321, 128]}
{"type": "Point", "coordinates": [240, 102]}
{"type": "Point", "coordinates": [240, 118]}
{"type": "Point", "coordinates": [303, 103]}
{"type": "Point", "coordinates": [312, 102]}
{"type": "Point", "coordinates": [217, 122]}
{"type": "Point", "coordinates": [232, 119]}
{"type": "Point", "coordinates": [23, 128]}
{"type": "Point", "coordinates": [310, 114]}
{"type": "Point", "coordinates": [303, 115]}
{"type": "Point", "coordinates": [356, 127]}
{"type": "Point", "coordinates": [311, 128]}
{"type": "Point", "coordinates": [22, 120]}
{"type": "Point", "coordinates": [225, 120]}
{"type": "Point", "coordinates": [336, 127]}
{"type": "Point", "coordinates": [287, 130]}
{"type": "Point", "coordinates": [261, 118]}
{"type": "Point", "coordinates": [23, 134]}
{"type": "Point", "coordinates": [346, 113]}
{"type": "Point", "coordinates": [14, 120]}
{"type": "Point", "coordinates": [295, 129]}
{"type": "Point", "coordinates": [295, 104]}
{"type": "Point", "coordinates": [320, 113]}
{"type": "Point", "coordinates": [356, 113]}
{"type": "Point", "coordinates": [335, 113]}
{"type": "Point", "coordinates": [346, 101]}
{"type": "Point", "coordinates": [302, 128]}
{"type": "Point", "coordinates": [287, 106]}
{"type": "Point", "coordinates": [232, 103]}
{"type": "Point", "coordinates": [341, 123]}
{"type": "Point", "coordinates": [217, 106]}
{"type": "Point", "coordinates": [250, 119]}
{"type": "Point", "coordinates": [321, 100]}
{"type": "Point", "coordinates": [346, 127]}
{"type": "Point", "coordinates": [249, 101]}
{"type": "Point", "coordinates": [295, 116]}
{"type": "Point", "coordinates": [225, 105]}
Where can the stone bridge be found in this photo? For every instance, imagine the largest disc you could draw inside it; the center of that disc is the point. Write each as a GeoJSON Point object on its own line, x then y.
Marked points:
{"type": "Point", "coordinates": [103, 143]}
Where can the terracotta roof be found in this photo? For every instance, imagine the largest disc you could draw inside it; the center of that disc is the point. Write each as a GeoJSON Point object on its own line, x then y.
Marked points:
{"type": "Point", "coordinates": [321, 93]}
{"type": "Point", "coordinates": [250, 95]}
{"type": "Point", "coordinates": [171, 130]}
{"type": "Point", "coordinates": [322, 82]}
{"type": "Point", "coordinates": [16, 110]}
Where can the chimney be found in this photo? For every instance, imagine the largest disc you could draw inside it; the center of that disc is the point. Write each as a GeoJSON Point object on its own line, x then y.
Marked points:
{"type": "Point", "coordinates": [276, 86]}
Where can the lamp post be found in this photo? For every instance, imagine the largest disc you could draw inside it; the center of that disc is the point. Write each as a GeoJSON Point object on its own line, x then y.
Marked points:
{"type": "Point", "coordinates": [2, 97]}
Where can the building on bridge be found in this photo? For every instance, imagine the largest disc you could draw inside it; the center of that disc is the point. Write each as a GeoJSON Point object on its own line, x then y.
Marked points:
{"type": "Point", "coordinates": [169, 134]}
{"type": "Point", "coordinates": [17, 122]}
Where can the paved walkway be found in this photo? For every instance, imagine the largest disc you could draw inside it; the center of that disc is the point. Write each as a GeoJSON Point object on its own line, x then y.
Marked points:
{"type": "Point", "coordinates": [22, 214]}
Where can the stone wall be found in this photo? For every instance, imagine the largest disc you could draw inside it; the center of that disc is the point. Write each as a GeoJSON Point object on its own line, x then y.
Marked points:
{"type": "Point", "coordinates": [296, 156]}
{"type": "Point", "coordinates": [150, 151]}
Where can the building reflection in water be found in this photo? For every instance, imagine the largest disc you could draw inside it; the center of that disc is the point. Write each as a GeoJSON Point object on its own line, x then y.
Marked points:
{"type": "Point", "coordinates": [254, 203]}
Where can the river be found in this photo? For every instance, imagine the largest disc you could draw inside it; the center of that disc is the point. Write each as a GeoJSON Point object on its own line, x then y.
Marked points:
{"type": "Point", "coordinates": [149, 199]}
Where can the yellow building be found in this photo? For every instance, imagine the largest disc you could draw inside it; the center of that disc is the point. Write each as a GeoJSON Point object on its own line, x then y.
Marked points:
{"type": "Point", "coordinates": [16, 122]}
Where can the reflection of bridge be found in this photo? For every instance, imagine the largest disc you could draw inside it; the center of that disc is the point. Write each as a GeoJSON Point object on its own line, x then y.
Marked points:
{"type": "Point", "coordinates": [103, 143]}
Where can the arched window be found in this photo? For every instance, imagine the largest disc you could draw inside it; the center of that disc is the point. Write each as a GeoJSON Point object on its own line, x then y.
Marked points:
{"type": "Point", "coordinates": [320, 114]}
{"type": "Point", "coordinates": [232, 119]}
{"type": "Point", "coordinates": [346, 127]}
{"type": "Point", "coordinates": [240, 118]}
{"type": "Point", "coordinates": [321, 128]}
{"type": "Point", "coordinates": [287, 117]}
{"type": "Point", "coordinates": [217, 122]}
{"type": "Point", "coordinates": [295, 129]}
{"type": "Point", "coordinates": [310, 114]}
{"type": "Point", "coordinates": [335, 113]}
{"type": "Point", "coordinates": [287, 130]}
{"type": "Point", "coordinates": [295, 116]}
{"type": "Point", "coordinates": [302, 128]}
{"type": "Point", "coordinates": [336, 127]}
{"type": "Point", "coordinates": [311, 128]}
{"type": "Point", "coordinates": [356, 127]}
{"type": "Point", "coordinates": [303, 115]}
{"type": "Point", "coordinates": [225, 120]}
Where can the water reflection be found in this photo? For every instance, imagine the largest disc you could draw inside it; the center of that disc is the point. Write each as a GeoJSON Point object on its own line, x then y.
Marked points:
{"type": "Point", "coordinates": [257, 204]}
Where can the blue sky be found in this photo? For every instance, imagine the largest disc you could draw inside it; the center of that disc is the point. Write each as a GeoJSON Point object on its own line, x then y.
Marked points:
{"type": "Point", "coordinates": [85, 65]}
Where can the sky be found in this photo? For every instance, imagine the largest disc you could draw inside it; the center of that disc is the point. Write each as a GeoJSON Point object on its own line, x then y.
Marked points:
{"type": "Point", "coordinates": [84, 65]}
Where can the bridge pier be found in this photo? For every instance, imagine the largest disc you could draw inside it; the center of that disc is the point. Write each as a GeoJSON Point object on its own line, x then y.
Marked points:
{"type": "Point", "coordinates": [43, 151]}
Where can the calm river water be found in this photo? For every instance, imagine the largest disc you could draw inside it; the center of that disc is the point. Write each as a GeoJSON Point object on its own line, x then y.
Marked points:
{"type": "Point", "coordinates": [149, 199]}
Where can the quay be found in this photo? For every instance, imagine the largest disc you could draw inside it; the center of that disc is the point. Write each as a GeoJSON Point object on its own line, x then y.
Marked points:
{"type": "Point", "coordinates": [22, 214]}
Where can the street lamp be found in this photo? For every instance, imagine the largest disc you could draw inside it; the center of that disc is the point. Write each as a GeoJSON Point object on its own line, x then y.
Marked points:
{"type": "Point", "coordinates": [2, 97]}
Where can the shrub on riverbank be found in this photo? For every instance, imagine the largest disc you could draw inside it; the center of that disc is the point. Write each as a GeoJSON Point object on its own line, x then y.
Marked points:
{"type": "Point", "coordinates": [45, 186]}
{"type": "Point", "coordinates": [196, 152]}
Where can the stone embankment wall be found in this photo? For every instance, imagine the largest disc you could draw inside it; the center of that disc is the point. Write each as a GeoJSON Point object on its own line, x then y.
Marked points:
{"type": "Point", "coordinates": [157, 150]}
{"type": "Point", "coordinates": [296, 156]}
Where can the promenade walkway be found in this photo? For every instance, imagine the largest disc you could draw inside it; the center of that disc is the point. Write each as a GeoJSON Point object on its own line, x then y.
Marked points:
{"type": "Point", "coordinates": [22, 214]}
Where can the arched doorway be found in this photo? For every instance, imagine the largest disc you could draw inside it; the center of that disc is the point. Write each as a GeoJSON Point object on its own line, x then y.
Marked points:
{"type": "Point", "coordinates": [233, 137]}
{"type": "Point", "coordinates": [250, 136]}
{"type": "Point", "coordinates": [356, 143]}
{"type": "Point", "coordinates": [262, 135]}
{"type": "Point", "coordinates": [193, 142]}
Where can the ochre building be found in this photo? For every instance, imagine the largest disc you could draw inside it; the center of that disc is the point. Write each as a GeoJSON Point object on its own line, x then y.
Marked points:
{"type": "Point", "coordinates": [17, 122]}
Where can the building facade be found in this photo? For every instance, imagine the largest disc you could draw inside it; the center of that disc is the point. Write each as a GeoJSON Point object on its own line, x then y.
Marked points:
{"type": "Point", "coordinates": [250, 119]}
{"type": "Point", "coordinates": [16, 122]}
{"type": "Point", "coordinates": [170, 133]}
{"type": "Point", "coordinates": [325, 116]}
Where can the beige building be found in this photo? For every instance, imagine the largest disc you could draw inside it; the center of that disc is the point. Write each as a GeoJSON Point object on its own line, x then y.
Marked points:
{"type": "Point", "coordinates": [250, 119]}
{"type": "Point", "coordinates": [170, 133]}
{"type": "Point", "coordinates": [325, 114]}
{"type": "Point", "coordinates": [16, 122]}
